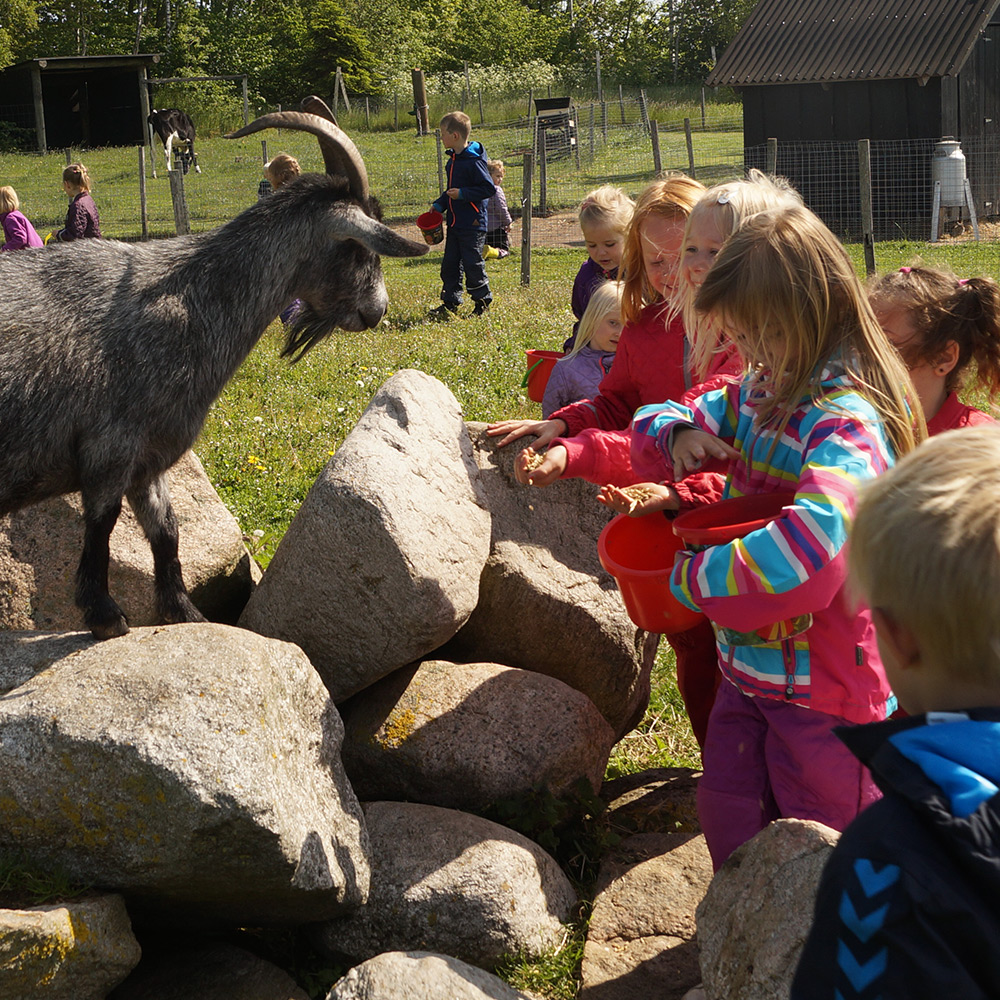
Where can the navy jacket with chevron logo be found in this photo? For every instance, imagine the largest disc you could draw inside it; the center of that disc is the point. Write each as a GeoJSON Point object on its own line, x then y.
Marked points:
{"type": "Point", "coordinates": [909, 902]}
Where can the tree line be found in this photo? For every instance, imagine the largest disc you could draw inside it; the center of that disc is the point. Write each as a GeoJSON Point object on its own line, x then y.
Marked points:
{"type": "Point", "coordinates": [291, 47]}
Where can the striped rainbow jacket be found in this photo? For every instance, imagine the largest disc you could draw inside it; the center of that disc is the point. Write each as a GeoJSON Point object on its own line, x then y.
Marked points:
{"type": "Point", "coordinates": [795, 565]}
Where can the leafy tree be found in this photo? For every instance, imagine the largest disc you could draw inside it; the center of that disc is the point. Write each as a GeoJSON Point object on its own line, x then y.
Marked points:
{"type": "Point", "coordinates": [331, 40]}
{"type": "Point", "coordinates": [18, 20]}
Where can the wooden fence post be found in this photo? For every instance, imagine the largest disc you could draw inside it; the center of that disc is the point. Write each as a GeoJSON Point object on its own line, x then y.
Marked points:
{"type": "Point", "coordinates": [182, 221]}
{"type": "Point", "coordinates": [643, 110]}
{"type": "Point", "coordinates": [621, 102]}
{"type": "Point", "coordinates": [526, 221]}
{"type": "Point", "coordinates": [395, 112]}
{"type": "Point", "coordinates": [690, 146]}
{"type": "Point", "coordinates": [654, 136]}
{"type": "Point", "coordinates": [420, 101]}
{"type": "Point", "coordinates": [604, 120]}
{"type": "Point", "coordinates": [263, 151]}
{"type": "Point", "coordinates": [591, 129]}
{"type": "Point", "coordinates": [440, 152]}
{"type": "Point", "coordinates": [143, 206]}
{"type": "Point", "coordinates": [368, 114]}
{"type": "Point", "coordinates": [482, 117]}
{"type": "Point", "coordinates": [539, 148]}
{"type": "Point", "coordinates": [867, 216]}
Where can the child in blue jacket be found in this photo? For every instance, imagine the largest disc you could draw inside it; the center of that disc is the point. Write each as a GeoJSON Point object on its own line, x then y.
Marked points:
{"type": "Point", "coordinates": [463, 204]}
{"type": "Point", "coordinates": [909, 902]}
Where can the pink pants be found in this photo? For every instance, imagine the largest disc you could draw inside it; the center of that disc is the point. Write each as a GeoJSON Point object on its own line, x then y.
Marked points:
{"type": "Point", "coordinates": [766, 759]}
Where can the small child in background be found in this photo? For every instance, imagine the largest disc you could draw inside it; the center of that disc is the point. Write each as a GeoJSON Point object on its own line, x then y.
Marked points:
{"type": "Point", "coordinates": [947, 331]}
{"type": "Point", "coordinates": [821, 411]}
{"type": "Point", "coordinates": [909, 900]}
{"type": "Point", "coordinates": [18, 232]}
{"type": "Point", "coordinates": [498, 218]}
{"type": "Point", "coordinates": [463, 205]}
{"type": "Point", "coordinates": [277, 173]}
{"type": "Point", "coordinates": [604, 218]}
{"type": "Point", "coordinates": [282, 169]}
{"type": "Point", "coordinates": [579, 373]}
{"type": "Point", "coordinates": [82, 220]}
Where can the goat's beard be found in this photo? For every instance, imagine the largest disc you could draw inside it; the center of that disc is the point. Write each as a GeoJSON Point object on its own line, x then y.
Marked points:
{"type": "Point", "coordinates": [306, 329]}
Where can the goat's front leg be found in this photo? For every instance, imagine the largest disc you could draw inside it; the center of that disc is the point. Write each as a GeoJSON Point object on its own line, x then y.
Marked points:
{"type": "Point", "coordinates": [100, 612]}
{"type": "Point", "coordinates": [151, 504]}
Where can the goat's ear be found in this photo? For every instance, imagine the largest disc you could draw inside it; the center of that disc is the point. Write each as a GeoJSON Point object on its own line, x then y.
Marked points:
{"type": "Point", "coordinates": [353, 224]}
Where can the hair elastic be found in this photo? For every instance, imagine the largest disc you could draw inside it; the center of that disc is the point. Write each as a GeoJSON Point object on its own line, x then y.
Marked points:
{"type": "Point", "coordinates": [724, 197]}
{"type": "Point", "coordinates": [905, 270]}
{"type": "Point", "coordinates": [963, 281]}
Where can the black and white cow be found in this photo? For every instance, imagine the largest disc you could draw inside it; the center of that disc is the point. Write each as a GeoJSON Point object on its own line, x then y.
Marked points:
{"type": "Point", "coordinates": [173, 125]}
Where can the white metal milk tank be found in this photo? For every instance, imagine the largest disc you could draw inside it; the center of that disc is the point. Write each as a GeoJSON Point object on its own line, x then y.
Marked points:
{"type": "Point", "coordinates": [948, 167]}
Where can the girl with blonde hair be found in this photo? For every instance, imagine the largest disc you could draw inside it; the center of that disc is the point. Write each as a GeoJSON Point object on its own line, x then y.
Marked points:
{"type": "Point", "coordinates": [577, 375]}
{"type": "Point", "coordinates": [822, 409]}
{"type": "Point", "coordinates": [18, 232]}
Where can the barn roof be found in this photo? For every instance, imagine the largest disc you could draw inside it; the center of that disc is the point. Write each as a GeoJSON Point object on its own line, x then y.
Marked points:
{"type": "Point", "coordinates": [832, 41]}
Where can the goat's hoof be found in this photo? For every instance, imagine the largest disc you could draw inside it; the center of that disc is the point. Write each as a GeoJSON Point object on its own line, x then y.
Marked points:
{"type": "Point", "coordinates": [180, 611]}
{"type": "Point", "coordinates": [110, 630]}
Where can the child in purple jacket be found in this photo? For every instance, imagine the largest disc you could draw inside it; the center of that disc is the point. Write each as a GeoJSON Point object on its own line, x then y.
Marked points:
{"type": "Point", "coordinates": [18, 232]}
{"type": "Point", "coordinates": [82, 220]}
{"type": "Point", "coordinates": [604, 217]}
{"type": "Point", "coordinates": [578, 375]}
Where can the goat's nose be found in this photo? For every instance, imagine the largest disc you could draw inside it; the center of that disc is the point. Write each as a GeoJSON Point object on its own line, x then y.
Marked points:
{"type": "Point", "coordinates": [372, 315]}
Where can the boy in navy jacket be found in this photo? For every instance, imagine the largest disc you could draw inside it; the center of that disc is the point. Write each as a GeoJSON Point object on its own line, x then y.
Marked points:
{"type": "Point", "coordinates": [463, 204]}
{"type": "Point", "coordinates": [909, 901]}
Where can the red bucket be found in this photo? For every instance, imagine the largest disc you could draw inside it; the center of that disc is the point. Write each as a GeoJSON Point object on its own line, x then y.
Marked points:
{"type": "Point", "coordinates": [431, 225]}
{"type": "Point", "coordinates": [727, 520]}
{"type": "Point", "coordinates": [540, 365]}
{"type": "Point", "coordinates": [639, 553]}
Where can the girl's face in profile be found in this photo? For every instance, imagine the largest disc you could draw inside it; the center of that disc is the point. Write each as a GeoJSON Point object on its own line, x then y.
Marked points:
{"type": "Point", "coordinates": [605, 337]}
{"type": "Point", "coordinates": [661, 249]}
{"type": "Point", "coordinates": [604, 246]}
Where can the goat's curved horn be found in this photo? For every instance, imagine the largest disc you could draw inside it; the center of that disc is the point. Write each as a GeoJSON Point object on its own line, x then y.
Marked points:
{"type": "Point", "coordinates": [340, 155]}
{"type": "Point", "coordinates": [314, 105]}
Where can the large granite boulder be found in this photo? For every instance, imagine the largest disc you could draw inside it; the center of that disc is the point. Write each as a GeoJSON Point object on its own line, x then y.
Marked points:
{"type": "Point", "coordinates": [419, 975]}
{"type": "Point", "coordinates": [641, 936]}
{"type": "Point", "coordinates": [40, 548]}
{"type": "Point", "coordinates": [758, 910]}
{"type": "Point", "coordinates": [77, 950]}
{"type": "Point", "coordinates": [381, 563]}
{"type": "Point", "coordinates": [446, 881]}
{"type": "Point", "coordinates": [193, 768]}
{"type": "Point", "coordinates": [464, 736]}
{"type": "Point", "coordinates": [545, 602]}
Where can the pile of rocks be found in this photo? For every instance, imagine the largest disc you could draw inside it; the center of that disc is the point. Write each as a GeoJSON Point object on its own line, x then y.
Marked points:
{"type": "Point", "coordinates": [202, 776]}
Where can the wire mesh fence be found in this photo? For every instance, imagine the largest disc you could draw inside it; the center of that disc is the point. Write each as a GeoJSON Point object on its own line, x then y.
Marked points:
{"type": "Point", "coordinates": [593, 143]}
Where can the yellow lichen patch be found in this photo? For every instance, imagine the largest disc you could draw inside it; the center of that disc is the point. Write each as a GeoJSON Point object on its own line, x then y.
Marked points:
{"type": "Point", "coordinates": [398, 728]}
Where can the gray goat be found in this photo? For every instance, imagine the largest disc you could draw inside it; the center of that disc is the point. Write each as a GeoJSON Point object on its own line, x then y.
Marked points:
{"type": "Point", "coordinates": [112, 353]}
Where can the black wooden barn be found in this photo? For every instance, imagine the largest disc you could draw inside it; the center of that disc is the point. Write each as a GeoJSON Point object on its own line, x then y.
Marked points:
{"type": "Point", "coordinates": [902, 73]}
{"type": "Point", "coordinates": [78, 100]}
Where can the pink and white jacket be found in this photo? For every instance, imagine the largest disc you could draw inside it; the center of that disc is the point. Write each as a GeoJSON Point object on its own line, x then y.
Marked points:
{"type": "Point", "coordinates": [795, 565]}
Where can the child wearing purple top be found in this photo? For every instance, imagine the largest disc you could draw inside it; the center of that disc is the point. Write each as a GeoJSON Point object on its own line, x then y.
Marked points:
{"type": "Point", "coordinates": [18, 232]}
{"type": "Point", "coordinates": [604, 217]}
{"type": "Point", "coordinates": [498, 217]}
{"type": "Point", "coordinates": [578, 375]}
{"type": "Point", "coordinates": [82, 221]}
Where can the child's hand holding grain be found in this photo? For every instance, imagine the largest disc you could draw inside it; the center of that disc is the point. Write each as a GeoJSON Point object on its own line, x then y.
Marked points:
{"type": "Point", "coordinates": [640, 499]}
{"type": "Point", "coordinates": [692, 448]}
{"type": "Point", "coordinates": [533, 469]}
